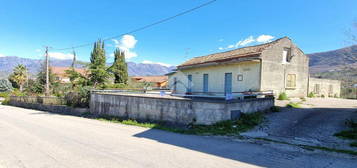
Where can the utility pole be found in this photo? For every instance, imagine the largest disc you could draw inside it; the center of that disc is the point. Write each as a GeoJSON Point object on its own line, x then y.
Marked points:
{"type": "Point", "coordinates": [47, 87]}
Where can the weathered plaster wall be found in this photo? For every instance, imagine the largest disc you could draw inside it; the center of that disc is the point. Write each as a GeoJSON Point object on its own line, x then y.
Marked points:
{"type": "Point", "coordinates": [216, 74]}
{"type": "Point", "coordinates": [178, 111]}
{"type": "Point", "coordinates": [325, 85]}
{"type": "Point", "coordinates": [274, 72]}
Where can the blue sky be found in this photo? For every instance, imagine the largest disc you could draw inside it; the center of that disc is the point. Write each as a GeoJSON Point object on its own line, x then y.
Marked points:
{"type": "Point", "coordinates": [26, 26]}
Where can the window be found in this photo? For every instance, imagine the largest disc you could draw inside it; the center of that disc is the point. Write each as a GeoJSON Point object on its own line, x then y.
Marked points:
{"type": "Point", "coordinates": [240, 77]}
{"type": "Point", "coordinates": [205, 83]}
{"type": "Point", "coordinates": [291, 81]}
{"type": "Point", "coordinates": [286, 55]}
{"type": "Point", "coordinates": [317, 89]}
{"type": "Point", "coordinates": [330, 89]}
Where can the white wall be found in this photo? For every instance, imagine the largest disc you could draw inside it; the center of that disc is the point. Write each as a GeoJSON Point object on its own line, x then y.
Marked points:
{"type": "Point", "coordinates": [216, 74]}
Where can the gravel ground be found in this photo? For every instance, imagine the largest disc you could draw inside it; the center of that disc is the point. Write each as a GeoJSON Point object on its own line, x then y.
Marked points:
{"type": "Point", "coordinates": [313, 124]}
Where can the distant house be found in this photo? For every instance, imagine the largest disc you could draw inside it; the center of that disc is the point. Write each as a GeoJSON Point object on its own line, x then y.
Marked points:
{"type": "Point", "coordinates": [278, 66]}
{"type": "Point", "coordinates": [61, 75]}
{"type": "Point", "coordinates": [154, 81]}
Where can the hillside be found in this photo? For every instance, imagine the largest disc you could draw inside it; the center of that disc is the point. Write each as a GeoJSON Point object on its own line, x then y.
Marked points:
{"type": "Point", "coordinates": [134, 69]}
{"type": "Point", "coordinates": [333, 60]}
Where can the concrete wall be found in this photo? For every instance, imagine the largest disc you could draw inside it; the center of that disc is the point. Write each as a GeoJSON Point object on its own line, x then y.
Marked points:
{"type": "Point", "coordinates": [275, 72]}
{"type": "Point", "coordinates": [173, 110]}
{"type": "Point", "coordinates": [216, 74]}
{"type": "Point", "coordinates": [60, 109]}
{"type": "Point", "coordinates": [327, 87]}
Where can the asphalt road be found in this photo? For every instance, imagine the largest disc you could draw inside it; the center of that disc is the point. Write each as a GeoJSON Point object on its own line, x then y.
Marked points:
{"type": "Point", "coordinates": [36, 139]}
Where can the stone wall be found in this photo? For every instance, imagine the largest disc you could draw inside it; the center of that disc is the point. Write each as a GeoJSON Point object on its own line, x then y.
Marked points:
{"type": "Point", "coordinates": [173, 109]}
{"type": "Point", "coordinates": [32, 103]}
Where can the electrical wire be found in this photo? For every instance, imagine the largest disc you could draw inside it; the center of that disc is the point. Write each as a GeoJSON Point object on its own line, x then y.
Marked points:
{"type": "Point", "coordinates": [143, 27]}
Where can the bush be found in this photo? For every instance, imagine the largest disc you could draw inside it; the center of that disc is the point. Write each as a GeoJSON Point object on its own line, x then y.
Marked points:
{"type": "Point", "coordinates": [311, 95]}
{"type": "Point", "coordinates": [79, 98]}
{"type": "Point", "coordinates": [293, 105]}
{"type": "Point", "coordinates": [5, 85]}
{"type": "Point", "coordinates": [323, 96]}
{"type": "Point", "coordinates": [4, 94]}
{"type": "Point", "coordinates": [283, 96]}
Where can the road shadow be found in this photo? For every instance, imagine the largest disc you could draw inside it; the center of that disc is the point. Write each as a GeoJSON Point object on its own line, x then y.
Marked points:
{"type": "Point", "coordinates": [218, 146]}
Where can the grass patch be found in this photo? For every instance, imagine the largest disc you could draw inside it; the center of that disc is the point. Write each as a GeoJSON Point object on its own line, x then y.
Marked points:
{"type": "Point", "coordinates": [351, 133]}
{"type": "Point", "coordinates": [353, 144]}
{"type": "Point", "coordinates": [347, 134]}
{"type": "Point", "coordinates": [293, 105]}
{"type": "Point", "coordinates": [310, 147]}
{"type": "Point", "coordinates": [229, 127]}
{"type": "Point", "coordinates": [283, 96]}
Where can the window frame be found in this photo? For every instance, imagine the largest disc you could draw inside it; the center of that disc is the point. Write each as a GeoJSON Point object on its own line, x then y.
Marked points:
{"type": "Point", "coordinates": [291, 84]}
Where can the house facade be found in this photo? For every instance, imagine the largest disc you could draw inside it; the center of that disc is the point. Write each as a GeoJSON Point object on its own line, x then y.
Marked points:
{"type": "Point", "coordinates": [62, 76]}
{"type": "Point", "coordinates": [278, 66]}
{"type": "Point", "coordinates": [154, 81]}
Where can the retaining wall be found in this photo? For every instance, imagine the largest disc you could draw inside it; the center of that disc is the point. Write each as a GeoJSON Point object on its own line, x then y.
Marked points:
{"type": "Point", "coordinates": [32, 103]}
{"type": "Point", "coordinates": [174, 110]}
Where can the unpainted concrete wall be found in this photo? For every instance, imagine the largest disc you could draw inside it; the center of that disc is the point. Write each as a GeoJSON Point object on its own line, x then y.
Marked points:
{"type": "Point", "coordinates": [327, 87]}
{"type": "Point", "coordinates": [275, 72]}
{"type": "Point", "coordinates": [178, 111]}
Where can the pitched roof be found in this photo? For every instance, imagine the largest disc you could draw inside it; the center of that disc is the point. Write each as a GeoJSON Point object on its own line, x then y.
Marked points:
{"type": "Point", "coordinates": [61, 71]}
{"type": "Point", "coordinates": [154, 79]}
{"type": "Point", "coordinates": [229, 55]}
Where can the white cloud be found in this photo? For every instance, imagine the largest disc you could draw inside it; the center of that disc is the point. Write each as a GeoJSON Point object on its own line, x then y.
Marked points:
{"type": "Point", "coordinates": [265, 38]}
{"type": "Point", "coordinates": [2, 55]}
{"type": "Point", "coordinates": [126, 44]}
{"type": "Point", "coordinates": [245, 42]}
{"type": "Point", "coordinates": [221, 40]}
{"type": "Point", "coordinates": [160, 63]}
{"type": "Point", "coordinates": [249, 40]}
{"type": "Point", "coordinates": [231, 46]}
{"type": "Point", "coordinates": [59, 55]}
{"type": "Point", "coordinates": [38, 50]}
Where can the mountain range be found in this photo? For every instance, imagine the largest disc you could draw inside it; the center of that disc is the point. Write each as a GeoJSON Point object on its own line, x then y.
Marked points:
{"type": "Point", "coordinates": [334, 60]}
{"type": "Point", "coordinates": [34, 65]}
{"type": "Point", "coordinates": [322, 62]}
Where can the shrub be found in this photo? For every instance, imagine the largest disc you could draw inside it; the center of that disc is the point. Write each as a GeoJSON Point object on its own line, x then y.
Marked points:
{"type": "Point", "coordinates": [311, 95]}
{"type": "Point", "coordinates": [4, 94]}
{"type": "Point", "coordinates": [5, 85]}
{"type": "Point", "coordinates": [283, 96]}
{"type": "Point", "coordinates": [302, 98]}
{"type": "Point", "coordinates": [79, 98]}
{"type": "Point", "coordinates": [293, 105]}
{"type": "Point", "coordinates": [323, 96]}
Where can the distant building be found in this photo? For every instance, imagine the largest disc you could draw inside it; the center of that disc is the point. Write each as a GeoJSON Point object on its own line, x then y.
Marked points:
{"type": "Point", "coordinates": [278, 66]}
{"type": "Point", "coordinates": [62, 76]}
{"type": "Point", "coordinates": [154, 81]}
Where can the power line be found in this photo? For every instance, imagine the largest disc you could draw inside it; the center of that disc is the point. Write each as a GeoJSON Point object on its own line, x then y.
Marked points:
{"type": "Point", "coordinates": [143, 27]}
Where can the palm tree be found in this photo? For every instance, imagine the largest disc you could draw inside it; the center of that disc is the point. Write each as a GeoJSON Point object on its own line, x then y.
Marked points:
{"type": "Point", "coordinates": [19, 76]}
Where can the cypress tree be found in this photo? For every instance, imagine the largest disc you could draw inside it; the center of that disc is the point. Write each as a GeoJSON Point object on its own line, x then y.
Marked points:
{"type": "Point", "coordinates": [98, 71]}
{"type": "Point", "coordinates": [119, 67]}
